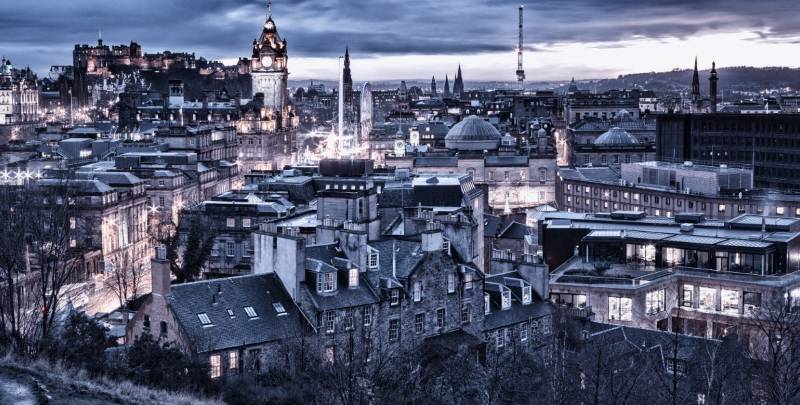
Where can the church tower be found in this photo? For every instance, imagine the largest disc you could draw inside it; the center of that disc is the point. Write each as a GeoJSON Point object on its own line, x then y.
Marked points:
{"type": "Point", "coordinates": [446, 87]}
{"type": "Point", "coordinates": [458, 85]}
{"type": "Point", "coordinates": [433, 87]}
{"type": "Point", "coordinates": [268, 66]}
{"type": "Point", "coordinates": [348, 78]}
{"type": "Point", "coordinates": [712, 86]}
{"type": "Point", "coordinates": [696, 102]}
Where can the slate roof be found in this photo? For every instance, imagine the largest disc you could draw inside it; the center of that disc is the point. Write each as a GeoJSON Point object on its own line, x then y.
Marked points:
{"type": "Point", "coordinates": [216, 297]}
{"type": "Point", "coordinates": [345, 297]}
{"type": "Point", "coordinates": [408, 255]}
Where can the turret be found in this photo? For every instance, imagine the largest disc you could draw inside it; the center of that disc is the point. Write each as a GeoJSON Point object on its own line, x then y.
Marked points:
{"type": "Point", "coordinates": [712, 86]}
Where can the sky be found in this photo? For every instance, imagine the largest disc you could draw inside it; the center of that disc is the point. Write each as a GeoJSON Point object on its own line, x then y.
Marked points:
{"type": "Point", "coordinates": [417, 39]}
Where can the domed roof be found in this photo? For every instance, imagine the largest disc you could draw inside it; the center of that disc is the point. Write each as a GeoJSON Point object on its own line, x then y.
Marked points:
{"type": "Point", "coordinates": [472, 133]}
{"type": "Point", "coordinates": [616, 136]}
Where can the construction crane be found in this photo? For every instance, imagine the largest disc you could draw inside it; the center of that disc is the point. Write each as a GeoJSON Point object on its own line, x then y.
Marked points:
{"type": "Point", "coordinates": [520, 71]}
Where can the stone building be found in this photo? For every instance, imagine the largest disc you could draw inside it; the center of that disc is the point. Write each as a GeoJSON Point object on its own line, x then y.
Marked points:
{"type": "Point", "coordinates": [19, 96]}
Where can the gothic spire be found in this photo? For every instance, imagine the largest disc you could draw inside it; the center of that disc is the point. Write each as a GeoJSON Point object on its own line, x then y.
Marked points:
{"type": "Point", "coordinates": [269, 9]}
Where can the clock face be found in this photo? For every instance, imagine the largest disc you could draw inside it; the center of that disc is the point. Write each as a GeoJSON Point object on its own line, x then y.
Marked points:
{"type": "Point", "coordinates": [266, 61]}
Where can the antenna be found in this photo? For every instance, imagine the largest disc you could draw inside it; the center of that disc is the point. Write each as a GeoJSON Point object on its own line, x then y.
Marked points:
{"type": "Point", "coordinates": [269, 9]}
{"type": "Point", "coordinates": [520, 71]}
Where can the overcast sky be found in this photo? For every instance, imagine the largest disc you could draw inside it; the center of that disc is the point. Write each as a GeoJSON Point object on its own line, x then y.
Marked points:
{"type": "Point", "coordinates": [414, 39]}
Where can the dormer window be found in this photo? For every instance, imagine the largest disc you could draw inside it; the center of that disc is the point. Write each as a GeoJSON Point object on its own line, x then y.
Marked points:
{"type": "Point", "coordinates": [526, 295]}
{"type": "Point", "coordinates": [353, 278]}
{"type": "Point", "coordinates": [506, 299]}
{"type": "Point", "coordinates": [326, 282]}
{"type": "Point", "coordinates": [204, 320]}
{"type": "Point", "coordinates": [373, 260]}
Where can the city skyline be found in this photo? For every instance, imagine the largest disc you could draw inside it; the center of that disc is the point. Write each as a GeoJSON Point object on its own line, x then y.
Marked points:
{"type": "Point", "coordinates": [585, 39]}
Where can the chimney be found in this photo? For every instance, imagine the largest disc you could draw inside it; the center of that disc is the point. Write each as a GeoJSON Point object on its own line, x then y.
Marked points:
{"type": "Point", "coordinates": [432, 239]}
{"type": "Point", "coordinates": [160, 272]}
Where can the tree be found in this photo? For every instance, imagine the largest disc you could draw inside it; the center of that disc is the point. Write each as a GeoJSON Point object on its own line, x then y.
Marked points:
{"type": "Point", "coordinates": [165, 366]}
{"type": "Point", "coordinates": [125, 277]}
{"type": "Point", "coordinates": [188, 246]}
{"type": "Point", "coordinates": [82, 343]}
{"type": "Point", "coordinates": [778, 337]}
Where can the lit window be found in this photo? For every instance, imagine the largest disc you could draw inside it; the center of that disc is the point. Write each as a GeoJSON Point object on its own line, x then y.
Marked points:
{"type": "Point", "coordinates": [708, 299]}
{"type": "Point", "coordinates": [721, 208]}
{"type": "Point", "coordinates": [730, 301]}
{"type": "Point", "coordinates": [780, 210]}
{"type": "Point", "coordinates": [216, 366]}
{"type": "Point", "coordinates": [204, 320]}
{"type": "Point", "coordinates": [279, 308]}
{"type": "Point", "coordinates": [246, 222]}
{"type": "Point", "coordinates": [451, 283]}
{"type": "Point", "coordinates": [353, 279]}
{"type": "Point", "coordinates": [620, 309]}
{"type": "Point", "coordinates": [233, 360]}
{"type": "Point", "coordinates": [251, 312]}
{"type": "Point", "coordinates": [230, 222]}
{"type": "Point", "coordinates": [655, 301]}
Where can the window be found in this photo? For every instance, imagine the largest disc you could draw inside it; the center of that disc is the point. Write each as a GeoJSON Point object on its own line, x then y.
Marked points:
{"type": "Point", "coordinates": [216, 366]}
{"type": "Point", "coordinates": [730, 301]}
{"type": "Point", "coordinates": [440, 318]}
{"type": "Point", "coordinates": [417, 291]}
{"type": "Point", "coordinates": [204, 320]}
{"type": "Point", "coordinates": [231, 314]}
{"type": "Point", "coordinates": [349, 318]}
{"type": "Point", "coordinates": [467, 281]}
{"type": "Point", "coordinates": [721, 208]}
{"type": "Point", "coordinates": [446, 245]}
{"type": "Point", "coordinates": [330, 321]}
{"type": "Point", "coordinates": [326, 282]}
{"type": "Point", "coordinates": [506, 299]}
{"type": "Point", "coordinates": [230, 250]}
{"type": "Point", "coordinates": [466, 315]}
{"type": "Point", "coordinates": [620, 309]}
{"type": "Point", "coordinates": [245, 249]}
{"type": "Point", "coordinates": [526, 295]}
{"type": "Point", "coordinates": [655, 301]}
{"type": "Point", "coordinates": [394, 297]}
{"type": "Point", "coordinates": [251, 312]}
{"type": "Point", "coordinates": [230, 222]}
{"type": "Point", "coordinates": [247, 222]}
{"type": "Point", "coordinates": [780, 210]}
{"type": "Point", "coordinates": [233, 360]}
{"type": "Point", "coordinates": [163, 328]}
{"type": "Point", "coordinates": [523, 332]}
{"type": "Point", "coordinates": [486, 305]}
{"type": "Point", "coordinates": [687, 296]}
{"type": "Point", "coordinates": [394, 330]}
{"type": "Point", "coordinates": [366, 315]}
{"type": "Point", "coordinates": [708, 299]}
{"type": "Point", "coordinates": [451, 283]}
{"type": "Point", "coordinates": [752, 301]}
{"type": "Point", "coordinates": [279, 308]}
{"type": "Point", "coordinates": [353, 279]}
{"type": "Point", "coordinates": [419, 322]}
{"type": "Point", "coordinates": [330, 354]}
{"type": "Point", "coordinates": [146, 321]}
{"type": "Point", "coordinates": [373, 260]}
{"type": "Point", "coordinates": [500, 338]}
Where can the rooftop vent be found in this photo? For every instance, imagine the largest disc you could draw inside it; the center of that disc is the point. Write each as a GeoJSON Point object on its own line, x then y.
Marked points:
{"type": "Point", "coordinates": [687, 227]}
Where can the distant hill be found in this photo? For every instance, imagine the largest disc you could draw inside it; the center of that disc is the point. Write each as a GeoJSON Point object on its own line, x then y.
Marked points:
{"type": "Point", "coordinates": [735, 82]}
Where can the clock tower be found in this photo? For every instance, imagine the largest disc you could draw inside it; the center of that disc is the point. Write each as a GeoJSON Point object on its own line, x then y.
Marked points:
{"type": "Point", "coordinates": [268, 66]}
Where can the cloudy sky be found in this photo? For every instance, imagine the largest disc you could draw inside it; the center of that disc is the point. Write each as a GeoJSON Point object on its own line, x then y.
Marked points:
{"type": "Point", "coordinates": [414, 39]}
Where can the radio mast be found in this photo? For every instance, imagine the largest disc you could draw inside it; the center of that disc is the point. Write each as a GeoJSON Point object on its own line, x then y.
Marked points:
{"type": "Point", "coordinates": [520, 71]}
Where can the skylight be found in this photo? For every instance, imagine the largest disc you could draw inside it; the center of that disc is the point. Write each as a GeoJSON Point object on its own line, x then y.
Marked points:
{"type": "Point", "coordinates": [204, 320]}
{"type": "Point", "coordinates": [279, 308]}
{"type": "Point", "coordinates": [250, 312]}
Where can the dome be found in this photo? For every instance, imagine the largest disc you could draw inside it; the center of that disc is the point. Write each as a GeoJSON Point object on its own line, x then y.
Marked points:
{"type": "Point", "coordinates": [473, 133]}
{"type": "Point", "coordinates": [616, 137]}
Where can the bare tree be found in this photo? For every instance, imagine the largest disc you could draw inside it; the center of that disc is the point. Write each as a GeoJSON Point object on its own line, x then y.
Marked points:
{"type": "Point", "coordinates": [124, 277]}
{"type": "Point", "coordinates": [778, 338]}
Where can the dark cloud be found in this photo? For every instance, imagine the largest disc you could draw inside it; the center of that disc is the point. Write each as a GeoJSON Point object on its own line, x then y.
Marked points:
{"type": "Point", "coordinates": [42, 32]}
